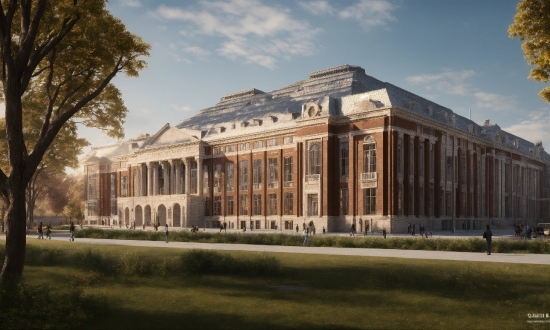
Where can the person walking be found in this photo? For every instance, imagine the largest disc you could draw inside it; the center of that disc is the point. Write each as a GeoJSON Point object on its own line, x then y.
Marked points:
{"type": "Point", "coordinates": [297, 228]}
{"type": "Point", "coordinates": [40, 232]}
{"type": "Point", "coordinates": [366, 228]}
{"type": "Point", "coordinates": [413, 229]}
{"type": "Point", "coordinates": [306, 234]}
{"type": "Point", "coordinates": [352, 230]}
{"type": "Point", "coordinates": [166, 232]}
{"type": "Point", "coordinates": [384, 232]}
{"type": "Point", "coordinates": [48, 232]}
{"type": "Point", "coordinates": [488, 235]}
{"type": "Point", "coordinates": [71, 230]}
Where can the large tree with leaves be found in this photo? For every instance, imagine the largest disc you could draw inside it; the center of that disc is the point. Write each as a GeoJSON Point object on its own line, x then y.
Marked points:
{"type": "Point", "coordinates": [63, 54]}
{"type": "Point", "coordinates": [532, 26]}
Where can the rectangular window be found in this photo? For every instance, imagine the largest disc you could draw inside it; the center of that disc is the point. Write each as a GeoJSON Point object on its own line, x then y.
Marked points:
{"type": "Point", "coordinates": [421, 159]}
{"type": "Point", "coordinates": [193, 174]}
{"type": "Point", "coordinates": [288, 203]}
{"type": "Point", "coordinates": [312, 204]}
{"type": "Point", "coordinates": [257, 174]}
{"type": "Point", "coordinates": [243, 175]}
{"type": "Point", "coordinates": [92, 187]}
{"type": "Point", "coordinates": [288, 172]}
{"type": "Point", "coordinates": [217, 205]}
{"type": "Point", "coordinates": [344, 158]}
{"type": "Point", "coordinates": [369, 201]}
{"type": "Point", "coordinates": [369, 157]}
{"type": "Point", "coordinates": [344, 201]}
{"type": "Point", "coordinates": [229, 148]}
{"type": "Point", "coordinates": [273, 178]}
{"type": "Point", "coordinates": [92, 208]}
{"type": "Point", "coordinates": [272, 208]}
{"type": "Point", "coordinates": [314, 158]}
{"type": "Point", "coordinates": [229, 176]}
{"type": "Point", "coordinates": [217, 150]}
{"type": "Point", "coordinates": [400, 200]}
{"type": "Point", "coordinates": [243, 205]}
{"type": "Point", "coordinates": [288, 140]}
{"type": "Point", "coordinates": [257, 204]}
{"type": "Point", "coordinates": [258, 144]}
{"type": "Point", "coordinates": [206, 206]}
{"type": "Point", "coordinates": [124, 186]}
{"type": "Point", "coordinates": [113, 186]}
{"type": "Point", "coordinates": [217, 178]}
{"type": "Point", "coordinates": [205, 180]}
{"type": "Point", "coordinates": [243, 146]}
{"type": "Point", "coordinates": [113, 206]}
{"type": "Point", "coordinates": [448, 203]}
{"type": "Point", "coordinates": [273, 142]}
{"type": "Point", "coordinates": [398, 156]}
{"type": "Point", "coordinates": [230, 205]}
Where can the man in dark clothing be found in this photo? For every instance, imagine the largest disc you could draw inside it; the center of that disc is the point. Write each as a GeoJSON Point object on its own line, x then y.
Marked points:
{"type": "Point", "coordinates": [488, 235]}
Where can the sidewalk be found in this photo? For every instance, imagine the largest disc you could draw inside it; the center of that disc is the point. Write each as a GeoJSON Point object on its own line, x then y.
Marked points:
{"type": "Point", "coordinates": [538, 259]}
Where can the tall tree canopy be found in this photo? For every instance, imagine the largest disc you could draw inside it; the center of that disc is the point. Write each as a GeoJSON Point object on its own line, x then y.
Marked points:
{"type": "Point", "coordinates": [532, 26]}
{"type": "Point", "coordinates": [60, 56]}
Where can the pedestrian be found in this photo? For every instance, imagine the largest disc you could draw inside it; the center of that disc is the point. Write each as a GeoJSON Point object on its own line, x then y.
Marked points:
{"type": "Point", "coordinates": [413, 230]}
{"type": "Point", "coordinates": [306, 234]}
{"type": "Point", "coordinates": [71, 230]}
{"type": "Point", "coordinates": [225, 227]}
{"type": "Point", "coordinates": [488, 235]}
{"type": "Point", "coordinates": [366, 228]}
{"type": "Point", "coordinates": [352, 230]}
{"type": "Point", "coordinates": [297, 228]}
{"type": "Point", "coordinates": [528, 231]}
{"type": "Point", "coordinates": [221, 227]}
{"type": "Point", "coordinates": [323, 229]}
{"type": "Point", "coordinates": [39, 230]}
{"type": "Point", "coordinates": [48, 232]}
{"type": "Point", "coordinates": [166, 232]}
{"type": "Point", "coordinates": [384, 232]}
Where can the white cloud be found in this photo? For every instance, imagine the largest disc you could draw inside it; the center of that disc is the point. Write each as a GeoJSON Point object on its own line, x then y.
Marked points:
{"type": "Point", "coordinates": [131, 3]}
{"type": "Point", "coordinates": [456, 83]}
{"type": "Point", "coordinates": [250, 30]}
{"type": "Point", "coordinates": [368, 13]}
{"type": "Point", "coordinates": [534, 128]}
{"type": "Point", "coordinates": [450, 82]}
{"type": "Point", "coordinates": [181, 108]}
{"type": "Point", "coordinates": [196, 50]}
{"type": "Point", "coordinates": [318, 7]}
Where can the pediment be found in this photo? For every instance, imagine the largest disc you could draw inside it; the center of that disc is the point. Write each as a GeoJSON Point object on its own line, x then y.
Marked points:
{"type": "Point", "coordinates": [173, 135]}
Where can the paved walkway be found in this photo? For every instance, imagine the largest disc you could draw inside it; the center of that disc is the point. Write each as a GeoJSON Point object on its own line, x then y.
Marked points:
{"type": "Point", "coordinates": [540, 259]}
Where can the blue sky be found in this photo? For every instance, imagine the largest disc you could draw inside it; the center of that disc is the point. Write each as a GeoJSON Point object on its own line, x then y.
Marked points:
{"type": "Point", "coordinates": [456, 53]}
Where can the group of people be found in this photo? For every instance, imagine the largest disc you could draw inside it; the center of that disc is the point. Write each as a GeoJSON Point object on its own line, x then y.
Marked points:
{"type": "Point", "coordinates": [421, 230]}
{"type": "Point", "coordinates": [522, 232]}
{"type": "Point", "coordinates": [40, 231]}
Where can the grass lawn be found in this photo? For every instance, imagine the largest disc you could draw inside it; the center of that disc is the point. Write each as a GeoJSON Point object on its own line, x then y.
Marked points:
{"type": "Point", "coordinates": [307, 291]}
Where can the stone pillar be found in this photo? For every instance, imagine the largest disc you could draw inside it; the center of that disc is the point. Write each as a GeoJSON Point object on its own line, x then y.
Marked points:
{"type": "Point", "coordinates": [155, 179]}
{"type": "Point", "coordinates": [166, 175]}
{"type": "Point", "coordinates": [150, 179]}
{"type": "Point", "coordinates": [177, 176]}
{"type": "Point", "coordinates": [187, 184]}
{"type": "Point", "coordinates": [199, 175]}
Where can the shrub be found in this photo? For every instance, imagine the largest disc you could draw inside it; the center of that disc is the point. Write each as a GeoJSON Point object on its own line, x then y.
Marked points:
{"type": "Point", "coordinates": [200, 262]}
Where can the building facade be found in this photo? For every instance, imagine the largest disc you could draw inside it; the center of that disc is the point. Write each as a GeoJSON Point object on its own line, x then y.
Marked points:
{"type": "Point", "coordinates": [336, 149]}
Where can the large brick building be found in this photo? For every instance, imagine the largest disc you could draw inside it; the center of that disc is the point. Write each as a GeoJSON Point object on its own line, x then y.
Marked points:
{"type": "Point", "coordinates": [338, 148]}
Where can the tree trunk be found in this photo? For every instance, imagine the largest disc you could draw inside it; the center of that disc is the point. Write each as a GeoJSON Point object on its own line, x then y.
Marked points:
{"type": "Point", "coordinates": [15, 235]}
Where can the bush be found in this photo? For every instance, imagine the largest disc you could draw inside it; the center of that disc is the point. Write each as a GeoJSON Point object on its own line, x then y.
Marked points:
{"type": "Point", "coordinates": [27, 306]}
{"type": "Point", "coordinates": [200, 262]}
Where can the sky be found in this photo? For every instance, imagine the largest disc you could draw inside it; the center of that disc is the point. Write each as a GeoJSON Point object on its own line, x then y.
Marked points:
{"type": "Point", "coordinates": [456, 53]}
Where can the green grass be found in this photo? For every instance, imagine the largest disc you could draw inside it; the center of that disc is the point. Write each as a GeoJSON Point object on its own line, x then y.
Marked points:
{"type": "Point", "coordinates": [404, 243]}
{"type": "Point", "coordinates": [144, 288]}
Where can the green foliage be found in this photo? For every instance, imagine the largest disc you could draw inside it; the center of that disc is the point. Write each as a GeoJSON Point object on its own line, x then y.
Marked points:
{"type": "Point", "coordinates": [201, 262]}
{"type": "Point", "coordinates": [532, 26]}
{"type": "Point", "coordinates": [403, 243]}
{"type": "Point", "coordinates": [27, 306]}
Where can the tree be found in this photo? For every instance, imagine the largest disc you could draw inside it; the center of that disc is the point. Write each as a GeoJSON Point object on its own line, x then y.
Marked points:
{"type": "Point", "coordinates": [62, 55]}
{"type": "Point", "coordinates": [74, 210]}
{"type": "Point", "coordinates": [532, 26]}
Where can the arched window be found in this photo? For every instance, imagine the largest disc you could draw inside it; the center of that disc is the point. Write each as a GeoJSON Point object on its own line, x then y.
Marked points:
{"type": "Point", "coordinates": [314, 158]}
{"type": "Point", "coordinates": [369, 154]}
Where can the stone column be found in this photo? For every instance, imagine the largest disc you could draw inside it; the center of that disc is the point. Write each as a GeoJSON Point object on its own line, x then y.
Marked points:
{"type": "Point", "coordinates": [187, 184]}
{"type": "Point", "coordinates": [177, 176]}
{"type": "Point", "coordinates": [199, 175]}
{"type": "Point", "coordinates": [155, 179]}
{"type": "Point", "coordinates": [150, 179]}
